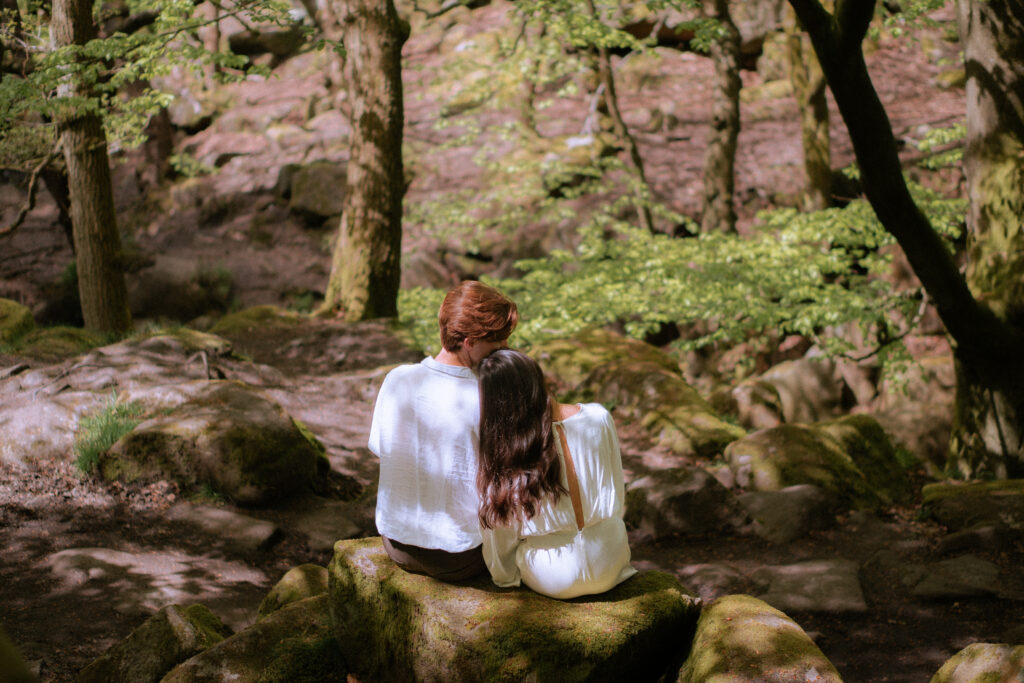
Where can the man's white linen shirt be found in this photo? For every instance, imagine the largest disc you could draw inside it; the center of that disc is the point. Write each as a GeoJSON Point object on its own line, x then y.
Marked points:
{"type": "Point", "coordinates": [425, 430]}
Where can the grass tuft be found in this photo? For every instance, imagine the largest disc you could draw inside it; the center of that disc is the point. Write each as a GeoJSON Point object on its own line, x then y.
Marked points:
{"type": "Point", "coordinates": [100, 430]}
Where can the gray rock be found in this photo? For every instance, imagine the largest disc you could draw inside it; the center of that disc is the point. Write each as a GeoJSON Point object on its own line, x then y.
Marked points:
{"type": "Point", "coordinates": [230, 439]}
{"type": "Point", "coordinates": [139, 584]}
{"type": "Point", "coordinates": [808, 388]}
{"type": "Point", "coordinates": [815, 586]}
{"type": "Point", "coordinates": [740, 638]}
{"type": "Point", "coordinates": [393, 625]}
{"type": "Point", "coordinates": [983, 662]}
{"type": "Point", "coordinates": [318, 189]}
{"type": "Point", "coordinates": [959, 577]}
{"type": "Point", "coordinates": [243, 532]}
{"type": "Point", "coordinates": [166, 639]}
{"type": "Point", "coordinates": [292, 644]}
{"type": "Point", "coordinates": [790, 513]}
{"type": "Point", "coordinates": [961, 506]}
{"type": "Point", "coordinates": [711, 581]}
{"type": "Point", "coordinates": [682, 500]}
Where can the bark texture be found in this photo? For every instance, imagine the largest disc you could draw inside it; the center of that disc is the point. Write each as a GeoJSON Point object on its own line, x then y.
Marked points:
{"type": "Point", "coordinates": [989, 419]}
{"type": "Point", "coordinates": [719, 212]}
{"type": "Point", "coordinates": [101, 284]}
{"type": "Point", "coordinates": [987, 335]}
{"type": "Point", "coordinates": [809, 88]}
{"type": "Point", "coordinates": [366, 265]}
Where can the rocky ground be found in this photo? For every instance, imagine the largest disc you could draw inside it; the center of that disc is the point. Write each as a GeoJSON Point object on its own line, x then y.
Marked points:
{"type": "Point", "coordinates": [233, 239]}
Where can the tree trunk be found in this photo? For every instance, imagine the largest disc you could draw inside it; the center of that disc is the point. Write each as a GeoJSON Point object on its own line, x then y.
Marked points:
{"type": "Point", "coordinates": [809, 90]}
{"type": "Point", "coordinates": [366, 266]}
{"type": "Point", "coordinates": [97, 241]}
{"type": "Point", "coordinates": [988, 438]}
{"type": "Point", "coordinates": [719, 212]}
{"type": "Point", "coordinates": [987, 335]}
{"type": "Point", "coordinates": [606, 78]}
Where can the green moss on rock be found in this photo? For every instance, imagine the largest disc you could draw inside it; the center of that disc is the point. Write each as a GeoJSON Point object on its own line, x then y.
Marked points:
{"type": "Point", "coordinates": [298, 583]}
{"type": "Point", "coordinates": [169, 637]}
{"type": "Point", "coordinates": [393, 625]}
{"type": "Point", "coordinates": [772, 459]}
{"type": "Point", "coordinates": [741, 638]}
{"type": "Point", "coordinates": [293, 644]}
{"type": "Point", "coordinates": [669, 408]}
{"type": "Point", "coordinates": [55, 343]}
{"type": "Point", "coordinates": [571, 359]}
{"type": "Point", "coordinates": [254, 318]}
{"type": "Point", "coordinates": [15, 321]}
{"type": "Point", "coordinates": [867, 444]}
{"type": "Point", "coordinates": [229, 439]}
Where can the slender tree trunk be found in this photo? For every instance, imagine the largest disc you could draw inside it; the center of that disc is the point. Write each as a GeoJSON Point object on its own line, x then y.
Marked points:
{"type": "Point", "coordinates": [719, 212]}
{"type": "Point", "coordinates": [988, 437]}
{"type": "Point", "coordinates": [987, 334]}
{"type": "Point", "coordinates": [606, 77]}
{"type": "Point", "coordinates": [809, 89]}
{"type": "Point", "coordinates": [101, 284]}
{"type": "Point", "coordinates": [366, 266]}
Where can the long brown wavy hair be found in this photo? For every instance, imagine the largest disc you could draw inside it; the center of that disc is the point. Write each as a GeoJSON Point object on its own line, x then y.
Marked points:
{"type": "Point", "coordinates": [518, 463]}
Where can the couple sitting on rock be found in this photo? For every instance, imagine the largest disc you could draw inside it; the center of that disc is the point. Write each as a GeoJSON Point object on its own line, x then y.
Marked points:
{"type": "Point", "coordinates": [481, 468]}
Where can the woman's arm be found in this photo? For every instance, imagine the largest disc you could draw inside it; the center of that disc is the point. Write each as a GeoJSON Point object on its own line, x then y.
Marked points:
{"type": "Point", "coordinates": [500, 555]}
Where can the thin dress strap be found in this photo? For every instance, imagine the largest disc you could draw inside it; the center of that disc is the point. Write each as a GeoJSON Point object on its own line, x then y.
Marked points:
{"type": "Point", "coordinates": [570, 472]}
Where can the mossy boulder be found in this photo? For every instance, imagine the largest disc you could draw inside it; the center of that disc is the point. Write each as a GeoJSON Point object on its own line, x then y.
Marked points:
{"type": "Point", "coordinates": [681, 500]}
{"type": "Point", "coordinates": [255, 318]}
{"type": "Point", "coordinates": [983, 663]}
{"type": "Point", "coordinates": [229, 439]}
{"type": "Point", "coordinates": [393, 625]}
{"type": "Point", "coordinates": [298, 583]}
{"type": "Point", "coordinates": [293, 644]}
{"type": "Point", "coordinates": [166, 639]}
{"type": "Point", "coordinates": [15, 320]}
{"type": "Point", "coordinates": [571, 359]}
{"type": "Point", "coordinates": [863, 439]}
{"type": "Point", "coordinates": [318, 189]}
{"type": "Point", "coordinates": [755, 403]}
{"type": "Point", "coordinates": [960, 505]}
{"type": "Point", "coordinates": [772, 459]}
{"type": "Point", "coordinates": [810, 389]}
{"type": "Point", "coordinates": [741, 638]}
{"type": "Point", "coordinates": [57, 343]}
{"type": "Point", "coordinates": [667, 407]}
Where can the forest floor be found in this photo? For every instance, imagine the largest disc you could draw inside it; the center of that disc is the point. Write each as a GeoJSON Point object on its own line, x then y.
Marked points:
{"type": "Point", "coordinates": [61, 627]}
{"type": "Point", "coordinates": [46, 510]}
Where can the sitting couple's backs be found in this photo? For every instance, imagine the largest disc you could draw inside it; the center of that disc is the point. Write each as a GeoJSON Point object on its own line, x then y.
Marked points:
{"type": "Point", "coordinates": [481, 469]}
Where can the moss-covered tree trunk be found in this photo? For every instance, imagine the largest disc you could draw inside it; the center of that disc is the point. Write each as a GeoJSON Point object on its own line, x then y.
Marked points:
{"type": "Point", "coordinates": [101, 284]}
{"type": "Point", "coordinates": [719, 212]}
{"type": "Point", "coordinates": [809, 88]}
{"type": "Point", "coordinates": [988, 437]}
{"type": "Point", "coordinates": [984, 319]}
{"type": "Point", "coordinates": [366, 265]}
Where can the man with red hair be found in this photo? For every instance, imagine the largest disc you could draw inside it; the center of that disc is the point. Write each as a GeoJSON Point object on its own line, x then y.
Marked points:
{"type": "Point", "coordinates": [425, 431]}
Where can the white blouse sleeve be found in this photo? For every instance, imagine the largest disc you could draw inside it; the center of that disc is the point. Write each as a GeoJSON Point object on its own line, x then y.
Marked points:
{"type": "Point", "coordinates": [500, 555]}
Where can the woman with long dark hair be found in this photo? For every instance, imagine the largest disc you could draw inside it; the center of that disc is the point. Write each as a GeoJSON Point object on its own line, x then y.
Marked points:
{"type": "Point", "coordinates": [550, 483]}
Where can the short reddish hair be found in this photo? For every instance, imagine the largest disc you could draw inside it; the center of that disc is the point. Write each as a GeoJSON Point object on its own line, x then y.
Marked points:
{"type": "Point", "coordinates": [474, 310]}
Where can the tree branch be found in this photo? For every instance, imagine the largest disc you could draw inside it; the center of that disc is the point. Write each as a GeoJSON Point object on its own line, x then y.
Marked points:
{"type": "Point", "coordinates": [33, 184]}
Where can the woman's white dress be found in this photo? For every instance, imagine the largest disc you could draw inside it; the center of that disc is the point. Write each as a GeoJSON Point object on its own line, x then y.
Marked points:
{"type": "Point", "coordinates": [548, 553]}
